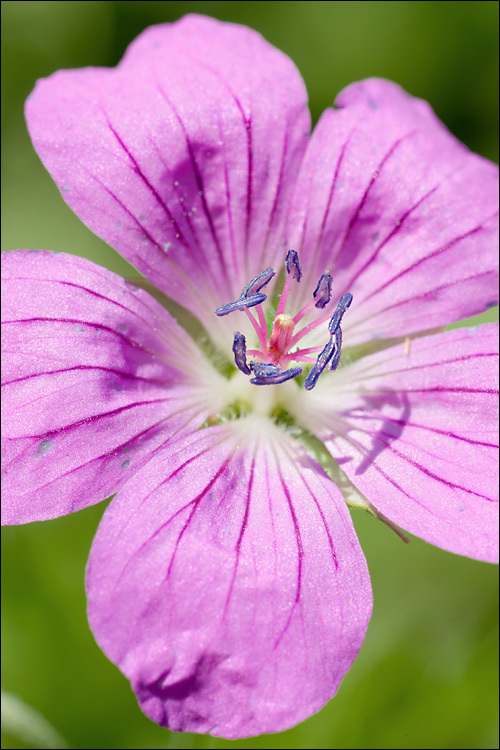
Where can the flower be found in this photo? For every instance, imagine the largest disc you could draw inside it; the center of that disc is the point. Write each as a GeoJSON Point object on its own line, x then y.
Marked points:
{"type": "Point", "coordinates": [226, 580]}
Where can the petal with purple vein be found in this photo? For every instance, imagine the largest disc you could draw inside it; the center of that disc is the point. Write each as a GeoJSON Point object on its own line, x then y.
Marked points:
{"type": "Point", "coordinates": [183, 157]}
{"type": "Point", "coordinates": [400, 213]}
{"type": "Point", "coordinates": [417, 433]}
{"type": "Point", "coordinates": [231, 552]}
{"type": "Point", "coordinates": [98, 376]}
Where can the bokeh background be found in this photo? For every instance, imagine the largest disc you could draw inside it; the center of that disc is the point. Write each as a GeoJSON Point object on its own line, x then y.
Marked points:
{"type": "Point", "coordinates": [427, 674]}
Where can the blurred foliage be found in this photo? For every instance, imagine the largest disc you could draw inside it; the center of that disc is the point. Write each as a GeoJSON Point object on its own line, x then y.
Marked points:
{"type": "Point", "coordinates": [426, 676]}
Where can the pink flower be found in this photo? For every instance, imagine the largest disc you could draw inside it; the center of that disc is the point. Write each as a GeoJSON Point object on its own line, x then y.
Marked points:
{"type": "Point", "coordinates": [226, 580]}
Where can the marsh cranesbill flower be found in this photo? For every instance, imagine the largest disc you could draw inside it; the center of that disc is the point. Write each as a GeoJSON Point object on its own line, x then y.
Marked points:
{"type": "Point", "coordinates": [226, 580]}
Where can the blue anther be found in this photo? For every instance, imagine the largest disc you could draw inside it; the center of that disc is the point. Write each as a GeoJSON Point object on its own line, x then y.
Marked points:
{"type": "Point", "coordinates": [342, 306]}
{"type": "Point", "coordinates": [323, 291]}
{"type": "Point", "coordinates": [324, 358]}
{"type": "Point", "coordinates": [263, 370]}
{"type": "Point", "coordinates": [334, 362]}
{"type": "Point", "coordinates": [240, 353]}
{"type": "Point", "coordinates": [293, 265]}
{"type": "Point", "coordinates": [277, 378]}
{"type": "Point", "coordinates": [256, 284]}
{"type": "Point", "coordinates": [250, 295]}
{"type": "Point", "coordinates": [241, 304]}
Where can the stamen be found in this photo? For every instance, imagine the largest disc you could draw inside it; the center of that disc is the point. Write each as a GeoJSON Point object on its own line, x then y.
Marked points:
{"type": "Point", "coordinates": [271, 374]}
{"type": "Point", "coordinates": [241, 304]}
{"type": "Point", "coordinates": [264, 370]}
{"type": "Point", "coordinates": [240, 353]}
{"type": "Point", "coordinates": [277, 347]}
{"type": "Point", "coordinates": [256, 284]}
{"type": "Point", "coordinates": [249, 296]}
{"type": "Point", "coordinates": [333, 363]}
{"type": "Point", "coordinates": [259, 327]}
{"type": "Point", "coordinates": [323, 358]}
{"type": "Point", "coordinates": [308, 328]}
{"type": "Point", "coordinates": [294, 272]}
{"type": "Point", "coordinates": [323, 291]}
{"type": "Point", "coordinates": [293, 265]}
{"type": "Point", "coordinates": [344, 303]}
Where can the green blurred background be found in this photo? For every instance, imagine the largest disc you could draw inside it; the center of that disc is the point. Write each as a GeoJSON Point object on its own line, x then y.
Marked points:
{"type": "Point", "coordinates": [427, 674]}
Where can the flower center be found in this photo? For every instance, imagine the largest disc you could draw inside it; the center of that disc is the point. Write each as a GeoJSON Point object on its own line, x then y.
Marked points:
{"type": "Point", "coordinates": [280, 348]}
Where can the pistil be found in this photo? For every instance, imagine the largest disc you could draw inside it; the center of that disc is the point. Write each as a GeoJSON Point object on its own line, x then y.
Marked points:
{"type": "Point", "coordinates": [281, 336]}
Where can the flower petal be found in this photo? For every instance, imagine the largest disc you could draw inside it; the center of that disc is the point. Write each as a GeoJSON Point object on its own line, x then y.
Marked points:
{"type": "Point", "coordinates": [183, 157]}
{"type": "Point", "coordinates": [415, 428]}
{"type": "Point", "coordinates": [227, 583]}
{"type": "Point", "coordinates": [96, 376]}
{"type": "Point", "coordinates": [402, 214]}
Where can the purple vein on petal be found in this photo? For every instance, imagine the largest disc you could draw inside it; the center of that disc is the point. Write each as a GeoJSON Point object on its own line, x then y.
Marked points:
{"type": "Point", "coordinates": [186, 280]}
{"type": "Point", "coordinates": [424, 470]}
{"type": "Point", "coordinates": [243, 528]}
{"type": "Point", "coordinates": [154, 271]}
{"type": "Point", "coordinates": [300, 553]}
{"type": "Point", "coordinates": [400, 223]}
{"type": "Point", "coordinates": [439, 389]}
{"type": "Point", "coordinates": [320, 511]}
{"type": "Point", "coordinates": [97, 417]}
{"type": "Point", "coordinates": [405, 423]}
{"type": "Point", "coordinates": [187, 218]}
{"type": "Point", "coordinates": [274, 207]}
{"type": "Point", "coordinates": [307, 212]}
{"type": "Point", "coordinates": [373, 179]}
{"type": "Point", "coordinates": [229, 212]}
{"type": "Point", "coordinates": [433, 389]}
{"type": "Point", "coordinates": [247, 123]}
{"type": "Point", "coordinates": [411, 268]}
{"type": "Point", "coordinates": [426, 366]}
{"type": "Point", "coordinates": [247, 126]}
{"type": "Point", "coordinates": [128, 310]}
{"type": "Point", "coordinates": [143, 177]}
{"type": "Point", "coordinates": [196, 501]}
{"type": "Point", "coordinates": [332, 190]}
{"type": "Point", "coordinates": [99, 326]}
{"type": "Point", "coordinates": [397, 228]}
{"type": "Point", "coordinates": [167, 479]}
{"type": "Point", "coordinates": [100, 368]}
{"type": "Point", "coordinates": [376, 466]}
{"type": "Point", "coordinates": [425, 314]}
{"type": "Point", "coordinates": [129, 213]}
{"type": "Point", "coordinates": [115, 450]}
{"type": "Point", "coordinates": [199, 183]}
{"type": "Point", "coordinates": [163, 526]}
{"type": "Point", "coordinates": [270, 505]}
{"type": "Point", "coordinates": [404, 442]}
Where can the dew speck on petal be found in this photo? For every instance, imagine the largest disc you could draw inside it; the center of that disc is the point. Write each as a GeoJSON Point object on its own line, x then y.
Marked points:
{"type": "Point", "coordinates": [44, 447]}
